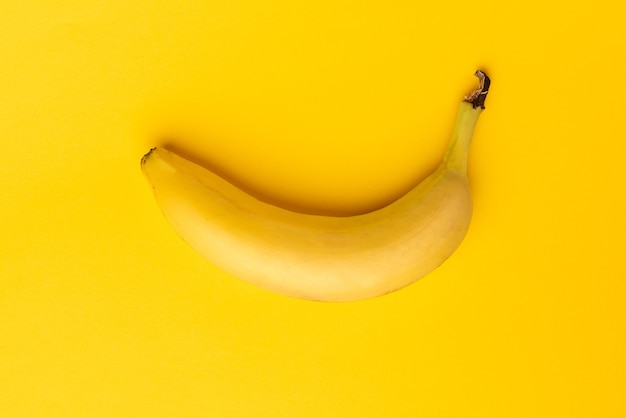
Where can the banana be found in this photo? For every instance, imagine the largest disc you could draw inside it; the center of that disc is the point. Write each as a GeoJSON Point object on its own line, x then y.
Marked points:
{"type": "Point", "coordinates": [315, 257]}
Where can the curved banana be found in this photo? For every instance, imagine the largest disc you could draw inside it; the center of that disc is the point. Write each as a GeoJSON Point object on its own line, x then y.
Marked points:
{"type": "Point", "coordinates": [322, 257]}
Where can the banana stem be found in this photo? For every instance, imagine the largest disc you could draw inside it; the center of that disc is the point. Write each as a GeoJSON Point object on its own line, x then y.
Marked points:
{"type": "Point", "coordinates": [479, 95]}
{"type": "Point", "coordinates": [470, 109]}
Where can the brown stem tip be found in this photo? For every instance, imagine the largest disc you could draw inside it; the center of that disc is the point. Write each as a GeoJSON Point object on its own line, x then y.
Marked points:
{"type": "Point", "coordinates": [478, 96]}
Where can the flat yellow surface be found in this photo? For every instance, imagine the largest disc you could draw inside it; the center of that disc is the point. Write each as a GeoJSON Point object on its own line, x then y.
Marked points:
{"type": "Point", "coordinates": [331, 106]}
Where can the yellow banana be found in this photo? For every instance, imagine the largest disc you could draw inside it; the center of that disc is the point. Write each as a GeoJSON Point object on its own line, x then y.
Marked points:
{"type": "Point", "coordinates": [316, 257]}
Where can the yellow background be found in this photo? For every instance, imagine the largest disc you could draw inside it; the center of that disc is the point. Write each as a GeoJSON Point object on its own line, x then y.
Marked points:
{"type": "Point", "coordinates": [330, 106]}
